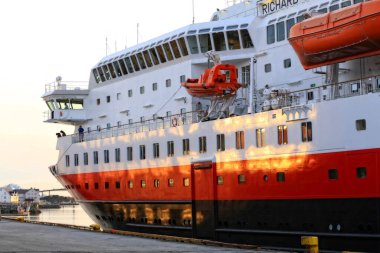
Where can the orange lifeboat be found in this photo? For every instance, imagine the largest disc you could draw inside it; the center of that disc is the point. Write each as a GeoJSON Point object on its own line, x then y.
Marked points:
{"type": "Point", "coordinates": [346, 34]}
{"type": "Point", "coordinates": [219, 80]}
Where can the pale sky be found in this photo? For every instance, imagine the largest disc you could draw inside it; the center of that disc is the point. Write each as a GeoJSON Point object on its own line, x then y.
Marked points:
{"type": "Point", "coordinates": [41, 39]}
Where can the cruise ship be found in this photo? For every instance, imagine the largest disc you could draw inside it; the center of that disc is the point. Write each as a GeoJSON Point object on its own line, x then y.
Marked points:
{"type": "Point", "coordinates": [257, 127]}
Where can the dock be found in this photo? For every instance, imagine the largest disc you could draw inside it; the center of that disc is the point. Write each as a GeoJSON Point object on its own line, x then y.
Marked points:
{"type": "Point", "coordinates": [33, 237]}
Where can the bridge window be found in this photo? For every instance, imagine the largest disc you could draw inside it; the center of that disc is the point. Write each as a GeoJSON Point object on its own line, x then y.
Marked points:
{"type": "Point", "coordinates": [129, 154]}
{"type": "Point", "coordinates": [220, 142]}
{"type": "Point", "coordinates": [246, 39]}
{"type": "Point", "coordinates": [154, 56]}
{"type": "Point", "coordinates": [170, 148]}
{"type": "Point", "coordinates": [101, 74]}
{"type": "Point", "coordinates": [193, 44]}
{"type": "Point", "coordinates": [129, 64]}
{"type": "Point", "coordinates": [141, 60]}
{"type": "Point", "coordinates": [147, 58]}
{"type": "Point", "coordinates": [260, 137]}
{"type": "Point", "coordinates": [233, 40]}
{"type": "Point", "coordinates": [123, 67]}
{"type": "Point", "coordinates": [186, 146]}
{"type": "Point", "coordinates": [96, 75]}
{"type": "Point", "coordinates": [289, 23]}
{"type": "Point", "coordinates": [282, 135]}
{"type": "Point", "coordinates": [106, 72]}
{"type": "Point", "coordinates": [85, 158]}
{"type": "Point", "coordinates": [67, 161]}
{"type": "Point", "coordinates": [96, 157]}
{"type": "Point", "coordinates": [270, 34]}
{"type": "Point", "coordinates": [142, 152]}
{"type": "Point", "coordinates": [76, 104]}
{"type": "Point", "coordinates": [135, 63]}
{"type": "Point", "coordinates": [239, 139]}
{"type": "Point", "coordinates": [168, 52]}
{"type": "Point", "coordinates": [202, 144]}
{"type": "Point", "coordinates": [307, 132]}
{"type": "Point", "coordinates": [76, 159]}
{"type": "Point", "coordinates": [156, 150]}
{"type": "Point", "coordinates": [280, 27]}
{"type": "Point", "coordinates": [219, 41]}
{"type": "Point", "coordinates": [175, 48]}
{"type": "Point", "coordinates": [171, 182]}
{"type": "Point", "coordinates": [182, 46]}
{"type": "Point", "coordinates": [106, 156]}
{"type": "Point", "coordinates": [117, 68]}
{"type": "Point", "coordinates": [117, 155]}
{"type": "Point", "coordinates": [205, 43]}
{"type": "Point", "coordinates": [112, 70]}
{"type": "Point", "coordinates": [161, 54]}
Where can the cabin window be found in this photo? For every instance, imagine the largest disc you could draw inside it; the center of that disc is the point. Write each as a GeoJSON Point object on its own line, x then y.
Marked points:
{"type": "Point", "coordinates": [355, 87]}
{"type": "Point", "coordinates": [156, 183]}
{"type": "Point", "coordinates": [142, 152]}
{"type": "Point", "coordinates": [130, 93]}
{"type": "Point", "coordinates": [96, 157]}
{"type": "Point", "coordinates": [345, 4]}
{"type": "Point", "coordinates": [108, 126]}
{"type": "Point", "coordinates": [280, 27]}
{"type": "Point", "coordinates": [175, 49]}
{"type": "Point", "coordinates": [168, 83]}
{"type": "Point", "coordinates": [154, 56]}
{"type": "Point", "coordinates": [142, 89]}
{"type": "Point", "coordinates": [106, 156]}
{"type": "Point", "coordinates": [358, 1]}
{"type": "Point", "coordinates": [205, 43]}
{"type": "Point", "coordinates": [118, 96]}
{"type": "Point", "coordinates": [96, 185]}
{"type": "Point", "coordinates": [323, 10]}
{"type": "Point", "coordinates": [141, 60]}
{"type": "Point", "coordinates": [239, 139]}
{"type": "Point", "coordinates": [361, 172]}
{"type": "Point", "coordinates": [117, 155]}
{"type": "Point", "coordinates": [182, 46]}
{"type": "Point", "coordinates": [246, 39]}
{"type": "Point", "coordinates": [361, 125]}
{"type": "Point", "coordinates": [129, 154]}
{"type": "Point", "coordinates": [171, 182]}
{"type": "Point", "coordinates": [106, 72]}
{"type": "Point", "coordinates": [96, 75]}
{"type": "Point", "coordinates": [287, 63]}
{"type": "Point", "coordinates": [135, 63]}
{"type": "Point", "coordinates": [101, 74]}
{"type": "Point", "coordinates": [106, 185]}
{"type": "Point", "coordinates": [76, 159]}
{"type": "Point", "coordinates": [220, 142]}
{"type": "Point", "coordinates": [147, 58]}
{"type": "Point", "coordinates": [108, 99]}
{"type": "Point", "coordinates": [289, 23]}
{"type": "Point", "coordinates": [123, 67]}
{"type": "Point", "coordinates": [112, 70]}
{"type": "Point", "coordinates": [310, 95]}
{"type": "Point", "coordinates": [260, 137]}
{"type": "Point", "coordinates": [182, 78]}
{"type": "Point", "coordinates": [333, 174]}
{"type": "Point", "coordinates": [154, 86]}
{"type": "Point", "coordinates": [67, 161]}
{"type": "Point", "coordinates": [117, 184]}
{"type": "Point", "coordinates": [168, 52]}
{"type": "Point", "coordinates": [270, 34]}
{"type": "Point", "coordinates": [334, 7]}
{"type": "Point", "coordinates": [161, 54]}
{"type": "Point", "coordinates": [186, 182]}
{"type": "Point", "coordinates": [85, 158]}
{"type": "Point", "coordinates": [143, 183]}
{"type": "Point", "coordinates": [170, 148]}
{"type": "Point", "coordinates": [219, 180]}
{"type": "Point", "coordinates": [193, 44]}
{"type": "Point", "coordinates": [202, 144]}
{"type": "Point", "coordinates": [280, 177]}
{"type": "Point", "coordinates": [219, 41]}
{"type": "Point", "coordinates": [129, 64]}
{"type": "Point", "coordinates": [186, 146]}
{"type": "Point", "coordinates": [268, 68]}
{"type": "Point", "coordinates": [306, 131]}
{"type": "Point", "coordinates": [130, 184]}
{"type": "Point", "coordinates": [233, 40]}
{"type": "Point", "coordinates": [282, 135]}
{"type": "Point", "coordinates": [86, 186]}
{"type": "Point", "coordinates": [156, 150]}
{"type": "Point", "coordinates": [241, 179]}
{"type": "Point", "coordinates": [300, 18]}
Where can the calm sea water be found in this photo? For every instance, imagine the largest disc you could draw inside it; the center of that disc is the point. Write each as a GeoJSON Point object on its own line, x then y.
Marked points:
{"type": "Point", "coordinates": [73, 215]}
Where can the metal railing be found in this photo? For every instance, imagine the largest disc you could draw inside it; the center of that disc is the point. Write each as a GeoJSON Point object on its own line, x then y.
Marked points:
{"type": "Point", "coordinates": [68, 85]}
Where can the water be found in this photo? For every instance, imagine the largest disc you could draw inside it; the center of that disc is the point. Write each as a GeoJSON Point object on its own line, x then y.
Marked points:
{"type": "Point", "coordinates": [73, 215]}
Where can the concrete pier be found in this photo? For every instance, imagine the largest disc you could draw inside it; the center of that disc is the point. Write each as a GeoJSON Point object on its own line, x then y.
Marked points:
{"type": "Point", "coordinates": [27, 237]}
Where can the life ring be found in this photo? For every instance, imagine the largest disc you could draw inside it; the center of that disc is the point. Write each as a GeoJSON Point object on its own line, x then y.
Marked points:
{"type": "Point", "coordinates": [174, 122]}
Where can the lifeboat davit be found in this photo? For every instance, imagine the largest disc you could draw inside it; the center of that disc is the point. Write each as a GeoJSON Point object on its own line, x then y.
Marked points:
{"type": "Point", "coordinates": [216, 81]}
{"type": "Point", "coordinates": [346, 34]}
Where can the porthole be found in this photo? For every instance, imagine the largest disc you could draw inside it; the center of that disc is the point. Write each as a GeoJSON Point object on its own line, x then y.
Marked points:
{"type": "Point", "coordinates": [330, 227]}
{"type": "Point", "coordinates": [338, 227]}
{"type": "Point", "coordinates": [266, 178]}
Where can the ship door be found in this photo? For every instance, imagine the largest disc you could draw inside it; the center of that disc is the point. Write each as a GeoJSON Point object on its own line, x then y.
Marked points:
{"type": "Point", "coordinates": [203, 199]}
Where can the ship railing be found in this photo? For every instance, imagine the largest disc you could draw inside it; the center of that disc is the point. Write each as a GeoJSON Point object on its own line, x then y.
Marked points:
{"type": "Point", "coordinates": [139, 127]}
{"type": "Point", "coordinates": [67, 85]}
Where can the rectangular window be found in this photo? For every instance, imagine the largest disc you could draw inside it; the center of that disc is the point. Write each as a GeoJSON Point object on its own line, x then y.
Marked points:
{"type": "Point", "coordinates": [239, 139]}
{"type": "Point", "coordinates": [289, 24]}
{"type": "Point", "coordinates": [106, 185]}
{"type": "Point", "coordinates": [142, 90]}
{"type": "Point", "coordinates": [168, 82]}
{"type": "Point", "coordinates": [154, 56]}
{"type": "Point", "coordinates": [219, 180]}
{"type": "Point", "coordinates": [182, 78]}
{"type": "Point", "coordinates": [361, 172]}
{"type": "Point", "coordinates": [334, 7]}
{"type": "Point", "coordinates": [268, 68]}
{"type": "Point", "coordinates": [147, 58]}
{"type": "Point", "coordinates": [161, 54]}
{"type": "Point", "coordinates": [85, 158]}
{"type": "Point", "coordinates": [123, 67]}
{"type": "Point", "coordinates": [287, 63]}
{"type": "Point", "coordinates": [143, 183]}
{"type": "Point", "coordinates": [168, 52]}
{"type": "Point", "coordinates": [270, 34]}
{"type": "Point", "coordinates": [154, 86]}
{"type": "Point", "coordinates": [86, 186]}
{"type": "Point", "coordinates": [108, 126]}
{"type": "Point", "coordinates": [129, 154]}
{"type": "Point", "coordinates": [282, 135]}
{"type": "Point", "coordinates": [171, 182]}
{"type": "Point", "coordinates": [118, 96]}
{"type": "Point", "coordinates": [106, 156]}
{"type": "Point", "coordinates": [170, 148]}
{"type": "Point", "coordinates": [130, 93]}
{"type": "Point", "coordinates": [246, 39]}
{"type": "Point", "coordinates": [186, 182]}
{"type": "Point", "coordinates": [193, 44]}
{"type": "Point", "coordinates": [310, 95]}
{"type": "Point", "coordinates": [117, 184]}
{"type": "Point", "coordinates": [98, 101]}
{"type": "Point", "coordinates": [142, 152]}
{"type": "Point", "coordinates": [205, 42]}
{"type": "Point", "coordinates": [260, 137]}
{"type": "Point", "coordinates": [117, 155]}
{"type": "Point", "coordinates": [118, 124]}
{"type": "Point", "coordinates": [186, 146]}
{"type": "Point", "coordinates": [345, 4]}
{"type": "Point", "coordinates": [333, 174]}
{"type": "Point", "coordinates": [280, 177]}
{"type": "Point", "coordinates": [76, 159]}
{"type": "Point", "coordinates": [306, 131]}
{"type": "Point", "coordinates": [241, 179]}
{"type": "Point", "coordinates": [67, 161]}
{"type": "Point", "coordinates": [361, 125]}
{"type": "Point", "coordinates": [219, 41]}
{"type": "Point", "coordinates": [156, 183]}
{"type": "Point", "coordinates": [233, 40]}
{"type": "Point", "coordinates": [202, 144]}
{"type": "Point", "coordinates": [175, 49]}
{"type": "Point", "coordinates": [135, 63]}
{"type": "Point", "coordinates": [96, 186]}
{"type": "Point", "coordinates": [96, 159]}
{"type": "Point", "coordinates": [280, 26]}
{"type": "Point", "coordinates": [220, 142]}
{"type": "Point", "coordinates": [156, 150]}
{"type": "Point", "coordinates": [129, 64]}
{"type": "Point", "coordinates": [108, 99]}
{"type": "Point", "coordinates": [130, 184]}
{"type": "Point", "coordinates": [182, 46]}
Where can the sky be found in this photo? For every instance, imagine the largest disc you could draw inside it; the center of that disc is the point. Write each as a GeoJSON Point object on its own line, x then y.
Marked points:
{"type": "Point", "coordinates": [42, 39]}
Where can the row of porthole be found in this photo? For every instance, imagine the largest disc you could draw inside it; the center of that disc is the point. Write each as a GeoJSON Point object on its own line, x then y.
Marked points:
{"type": "Point", "coordinates": [144, 220]}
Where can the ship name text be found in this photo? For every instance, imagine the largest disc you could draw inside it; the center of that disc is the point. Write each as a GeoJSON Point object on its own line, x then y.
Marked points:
{"type": "Point", "coordinates": [268, 7]}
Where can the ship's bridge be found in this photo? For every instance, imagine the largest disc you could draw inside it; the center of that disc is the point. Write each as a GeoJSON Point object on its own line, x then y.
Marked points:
{"type": "Point", "coordinates": [65, 102]}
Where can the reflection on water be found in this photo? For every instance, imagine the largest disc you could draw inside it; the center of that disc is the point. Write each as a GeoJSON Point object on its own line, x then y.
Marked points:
{"type": "Point", "coordinates": [73, 215]}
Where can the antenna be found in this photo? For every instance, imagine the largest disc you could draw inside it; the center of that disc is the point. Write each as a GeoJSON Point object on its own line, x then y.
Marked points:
{"type": "Point", "coordinates": [115, 46]}
{"type": "Point", "coordinates": [137, 33]}
{"type": "Point", "coordinates": [193, 12]}
{"type": "Point", "coordinates": [106, 46]}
